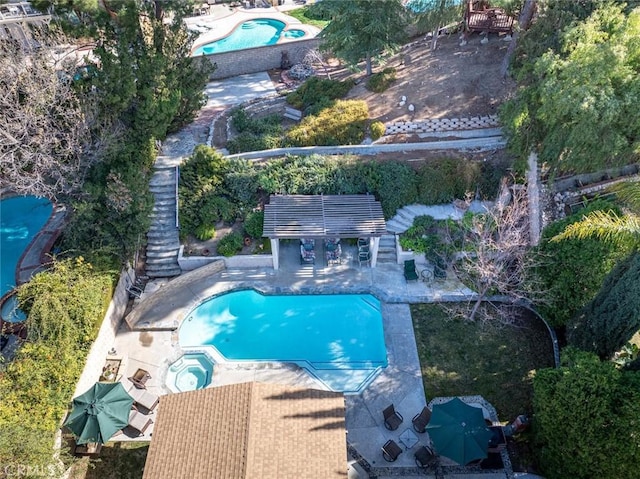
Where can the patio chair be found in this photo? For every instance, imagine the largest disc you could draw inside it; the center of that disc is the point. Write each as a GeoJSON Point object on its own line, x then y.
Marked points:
{"type": "Point", "coordinates": [391, 451]}
{"type": "Point", "coordinates": [144, 398]}
{"type": "Point", "coordinates": [333, 251]}
{"type": "Point", "coordinates": [364, 257]}
{"type": "Point", "coordinates": [424, 456]}
{"type": "Point", "coordinates": [410, 273]}
{"type": "Point", "coordinates": [140, 378]}
{"type": "Point", "coordinates": [139, 422]}
{"type": "Point", "coordinates": [421, 420]}
{"type": "Point", "coordinates": [392, 418]}
{"type": "Point", "coordinates": [307, 251]}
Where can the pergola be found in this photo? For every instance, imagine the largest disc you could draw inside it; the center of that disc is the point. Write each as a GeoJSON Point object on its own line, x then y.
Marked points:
{"type": "Point", "coordinates": [323, 216]}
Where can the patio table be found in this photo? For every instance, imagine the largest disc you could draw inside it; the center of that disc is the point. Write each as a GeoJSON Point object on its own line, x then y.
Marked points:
{"type": "Point", "coordinates": [408, 438]}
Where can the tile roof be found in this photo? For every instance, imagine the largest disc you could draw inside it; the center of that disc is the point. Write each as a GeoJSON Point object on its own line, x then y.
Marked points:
{"type": "Point", "coordinates": [249, 430]}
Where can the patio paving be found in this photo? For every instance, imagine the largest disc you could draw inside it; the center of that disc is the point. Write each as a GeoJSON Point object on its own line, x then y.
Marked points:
{"type": "Point", "coordinates": [152, 343]}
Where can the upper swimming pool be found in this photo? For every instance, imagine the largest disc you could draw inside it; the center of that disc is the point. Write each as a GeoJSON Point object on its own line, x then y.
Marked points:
{"type": "Point", "coordinates": [339, 339]}
{"type": "Point", "coordinates": [250, 34]}
{"type": "Point", "coordinates": [21, 217]}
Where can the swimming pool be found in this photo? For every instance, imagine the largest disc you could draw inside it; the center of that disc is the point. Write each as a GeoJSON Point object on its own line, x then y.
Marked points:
{"type": "Point", "coordinates": [250, 34]}
{"type": "Point", "coordinates": [21, 217]}
{"type": "Point", "coordinates": [339, 339]}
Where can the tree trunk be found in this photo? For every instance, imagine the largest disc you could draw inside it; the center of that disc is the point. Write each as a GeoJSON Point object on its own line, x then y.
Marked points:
{"type": "Point", "coordinates": [368, 61]}
{"type": "Point", "coordinates": [474, 311]}
{"type": "Point", "coordinates": [526, 15]}
{"type": "Point", "coordinates": [434, 38]}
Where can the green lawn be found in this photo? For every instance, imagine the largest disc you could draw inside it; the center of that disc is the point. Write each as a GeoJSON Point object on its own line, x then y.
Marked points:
{"type": "Point", "coordinates": [460, 358]}
{"type": "Point", "coordinates": [301, 14]}
{"type": "Point", "coordinates": [117, 460]}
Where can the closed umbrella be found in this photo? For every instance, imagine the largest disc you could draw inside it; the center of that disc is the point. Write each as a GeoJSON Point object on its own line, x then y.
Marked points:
{"type": "Point", "coordinates": [458, 431]}
{"type": "Point", "coordinates": [99, 413]}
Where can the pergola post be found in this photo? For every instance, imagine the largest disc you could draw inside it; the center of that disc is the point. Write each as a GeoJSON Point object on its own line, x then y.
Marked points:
{"type": "Point", "coordinates": [374, 250]}
{"type": "Point", "coordinates": [275, 252]}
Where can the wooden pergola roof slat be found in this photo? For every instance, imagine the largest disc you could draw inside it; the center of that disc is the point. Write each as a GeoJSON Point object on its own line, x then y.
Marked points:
{"type": "Point", "coordinates": [309, 216]}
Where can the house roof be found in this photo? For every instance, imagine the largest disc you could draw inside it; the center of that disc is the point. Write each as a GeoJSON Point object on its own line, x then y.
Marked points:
{"type": "Point", "coordinates": [323, 216]}
{"type": "Point", "coordinates": [249, 430]}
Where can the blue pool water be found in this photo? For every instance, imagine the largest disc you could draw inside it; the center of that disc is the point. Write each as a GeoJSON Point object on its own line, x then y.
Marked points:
{"type": "Point", "coordinates": [338, 338]}
{"type": "Point", "coordinates": [250, 34]}
{"type": "Point", "coordinates": [192, 371]}
{"type": "Point", "coordinates": [21, 217]}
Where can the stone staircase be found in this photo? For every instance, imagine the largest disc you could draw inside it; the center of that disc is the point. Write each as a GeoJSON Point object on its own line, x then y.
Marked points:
{"type": "Point", "coordinates": [163, 241]}
{"type": "Point", "coordinates": [387, 249]}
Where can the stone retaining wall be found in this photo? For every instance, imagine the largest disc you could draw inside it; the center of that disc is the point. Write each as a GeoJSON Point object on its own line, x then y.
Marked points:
{"type": "Point", "coordinates": [445, 124]}
{"type": "Point", "coordinates": [259, 59]}
{"type": "Point", "coordinates": [106, 335]}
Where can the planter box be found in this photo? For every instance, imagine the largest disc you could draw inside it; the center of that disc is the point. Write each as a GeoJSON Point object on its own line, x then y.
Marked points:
{"type": "Point", "coordinates": [189, 263]}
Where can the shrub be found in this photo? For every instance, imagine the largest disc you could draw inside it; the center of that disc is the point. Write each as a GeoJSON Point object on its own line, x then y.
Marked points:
{"type": "Point", "coordinates": [230, 244]}
{"type": "Point", "coordinates": [342, 124]}
{"type": "Point", "coordinates": [201, 178]}
{"type": "Point", "coordinates": [444, 180]}
{"type": "Point", "coordinates": [610, 320]}
{"type": "Point", "coordinates": [379, 82]}
{"type": "Point", "coordinates": [241, 181]}
{"type": "Point", "coordinates": [396, 186]}
{"type": "Point", "coordinates": [253, 224]}
{"type": "Point", "coordinates": [247, 141]}
{"type": "Point", "coordinates": [217, 208]}
{"type": "Point", "coordinates": [571, 272]}
{"type": "Point", "coordinates": [316, 89]}
{"type": "Point", "coordinates": [303, 175]}
{"type": "Point", "coordinates": [205, 232]}
{"type": "Point", "coordinates": [377, 130]}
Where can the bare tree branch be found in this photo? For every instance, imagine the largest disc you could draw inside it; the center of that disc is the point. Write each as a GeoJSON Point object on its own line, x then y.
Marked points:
{"type": "Point", "coordinates": [44, 126]}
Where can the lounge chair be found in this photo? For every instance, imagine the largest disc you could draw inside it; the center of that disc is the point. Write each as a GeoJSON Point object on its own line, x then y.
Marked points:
{"type": "Point", "coordinates": [391, 451]}
{"type": "Point", "coordinates": [424, 456]}
{"type": "Point", "coordinates": [410, 273]}
{"type": "Point", "coordinates": [421, 420]}
{"type": "Point", "coordinates": [392, 418]}
{"type": "Point", "coordinates": [140, 378]}
{"type": "Point", "coordinates": [144, 398]}
{"type": "Point", "coordinates": [139, 422]}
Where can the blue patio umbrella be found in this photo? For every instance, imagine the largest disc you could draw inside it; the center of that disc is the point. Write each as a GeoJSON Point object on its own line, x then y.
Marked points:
{"type": "Point", "coordinates": [99, 413]}
{"type": "Point", "coordinates": [458, 431]}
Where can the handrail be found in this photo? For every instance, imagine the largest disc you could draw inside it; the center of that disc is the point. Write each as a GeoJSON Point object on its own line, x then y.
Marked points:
{"type": "Point", "coordinates": [177, 177]}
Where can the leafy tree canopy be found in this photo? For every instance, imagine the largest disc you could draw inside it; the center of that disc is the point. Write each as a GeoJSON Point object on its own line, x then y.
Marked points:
{"type": "Point", "coordinates": [580, 108]}
{"type": "Point", "coordinates": [586, 418]}
{"type": "Point", "coordinates": [362, 29]}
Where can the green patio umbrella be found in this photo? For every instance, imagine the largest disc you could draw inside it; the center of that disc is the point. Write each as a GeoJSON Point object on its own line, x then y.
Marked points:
{"type": "Point", "coordinates": [99, 413]}
{"type": "Point", "coordinates": [458, 431]}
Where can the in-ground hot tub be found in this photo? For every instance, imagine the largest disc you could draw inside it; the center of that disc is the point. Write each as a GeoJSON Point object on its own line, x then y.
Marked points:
{"type": "Point", "coordinates": [192, 371]}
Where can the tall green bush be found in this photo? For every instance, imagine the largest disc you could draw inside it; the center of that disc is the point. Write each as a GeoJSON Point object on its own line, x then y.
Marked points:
{"type": "Point", "coordinates": [442, 181]}
{"type": "Point", "coordinates": [203, 198]}
{"type": "Point", "coordinates": [397, 186]}
{"type": "Point", "coordinates": [613, 316]}
{"type": "Point", "coordinates": [580, 407]}
{"type": "Point", "coordinates": [571, 271]}
{"type": "Point", "coordinates": [230, 244]}
{"type": "Point", "coordinates": [254, 223]}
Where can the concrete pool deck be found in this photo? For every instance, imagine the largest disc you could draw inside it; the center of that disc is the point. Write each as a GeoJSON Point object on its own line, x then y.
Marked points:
{"type": "Point", "coordinates": [149, 336]}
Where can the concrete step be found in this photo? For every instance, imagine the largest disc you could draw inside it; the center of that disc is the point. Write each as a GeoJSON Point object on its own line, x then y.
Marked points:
{"type": "Point", "coordinates": [163, 246]}
{"type": "Point", "coordinates": [417, 210]}
{"type": "Point", "coordinates": [404, 215]}
{"type": "Point", "coordinates": [153, 236]}
{"type": "Point", "coordinates": [397, 227]}
{"type": "Point", "coordinates": [164, 272]}
{"type": "Point", "coordinates": [171, 202]}
{"type": "Point", "coordinates": [160, 254]}
{"type": "Point", "coordinates": [167, 261]}
{"type": "Point", "coordinates": [167, 224]}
